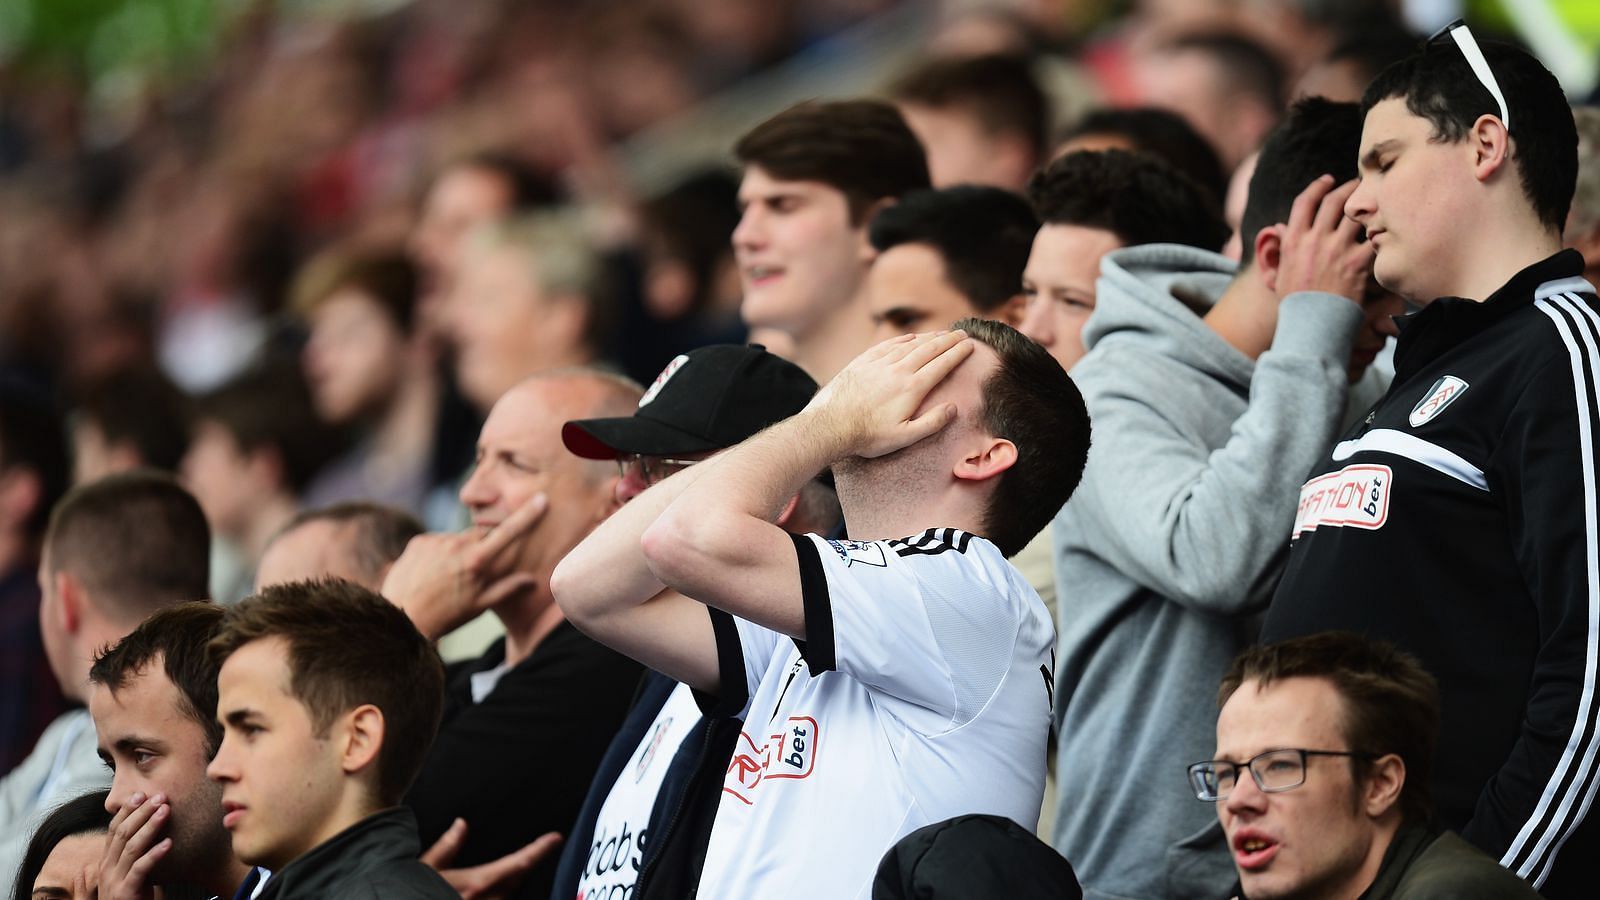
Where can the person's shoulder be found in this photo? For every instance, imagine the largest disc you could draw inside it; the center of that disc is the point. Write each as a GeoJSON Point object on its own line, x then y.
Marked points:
{"type": "Point", "coordinates": [1452, 869]}
{"type": "Point", "coordinates": [406, 880]}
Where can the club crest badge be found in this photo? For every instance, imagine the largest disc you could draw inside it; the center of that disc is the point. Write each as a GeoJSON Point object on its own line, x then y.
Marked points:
{"type": "Point", "coordinates": [662, 379]}
{"type": "Point", "coordinates": [1443, 393]}
{"type": "Point", "coordinates": [865, 552]}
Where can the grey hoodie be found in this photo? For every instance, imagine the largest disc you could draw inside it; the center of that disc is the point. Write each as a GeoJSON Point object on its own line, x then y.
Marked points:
{"type": "Point", "coordinates": [1170, 550]}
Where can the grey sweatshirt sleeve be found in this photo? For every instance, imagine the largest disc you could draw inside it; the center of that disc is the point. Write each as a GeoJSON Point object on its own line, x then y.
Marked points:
{"type": "Point", "coordinates": [1206, 528]}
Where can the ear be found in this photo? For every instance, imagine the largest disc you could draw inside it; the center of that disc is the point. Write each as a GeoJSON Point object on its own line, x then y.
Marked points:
{"type": "Point", "coordinates": [868, 252]}
{"type": "Point", "coordinates": [995, 457]}
{"type": "Point", "coordinates": [1386, 777]}
{"type": "Point", "coordinates": [1269, 254]}
{"type": "Point", "coordinates": [361, 739]}
{"type": "Point", "coordinates": [73, 601]}
{"type": "Point", "coordinates": [788, 511]}
{"type": "Point", "coordinates": [1011, 311]}
{"type": "Point", "coordinates": [20, 493]}
{"type": "Point", "coordinates": [1491, 146]}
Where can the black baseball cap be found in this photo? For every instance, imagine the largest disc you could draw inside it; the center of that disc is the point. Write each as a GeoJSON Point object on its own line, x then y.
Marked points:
{"type": "Point", "coordinates": [706, 399]}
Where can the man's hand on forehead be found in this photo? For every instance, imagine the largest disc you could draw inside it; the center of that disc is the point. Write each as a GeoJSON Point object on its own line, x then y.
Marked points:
{"type": "Point", "coordinates": [875, 405]}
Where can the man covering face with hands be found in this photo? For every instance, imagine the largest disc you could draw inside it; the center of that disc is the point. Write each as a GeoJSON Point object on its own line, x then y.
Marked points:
{"type": "Point", "coordinates": [884, 670]}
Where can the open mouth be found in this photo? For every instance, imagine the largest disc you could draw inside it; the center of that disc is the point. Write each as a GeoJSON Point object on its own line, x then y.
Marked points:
{"type": "Point", "coordinates": [759, 275]}
{"type": "Point", "coordinates": [231, 813]}
{"type": "Point", "coordinates": [1254, 851]}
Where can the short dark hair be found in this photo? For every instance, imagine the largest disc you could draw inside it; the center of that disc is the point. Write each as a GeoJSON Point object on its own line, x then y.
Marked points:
{"type": "Point", "coordinates": [1391, 703]}
{"type": "Point", "coordinates": [269, 407]}
{"type": "Point", "coordinates": [1379, 44]}
{"type": "Point", "coordinates": [382, 532]}
{"type": "Point", "coordinates": [179, 635]}
{"type": "Point", "coordinates": [80, 815]}
{"type": "Point", "coordinates": [1437, 84]}
{"type": "Point", "coordinates": [1030, 401]}
{"type": "Point", "coordinates": [141, 407]}
{"type": "Point", "coordinates": [1318, 137]}
{"type": "Point", "coordinates": [392, 666]}
{"type": "Point", "coordinates": [861, 148]}
{"type": "Point", "coordinates": [983, 234]}
{"type": "Point", "coordinates": [1161, 133]}
{"type": "Point", "coordinates": [999, 91]}
{"type": "Point", "coordinates": [387, 276]}
{"type": "Point", "coordinates": [692, 222]}
{"type": "Point", "coordinates": [32, 436]}
{"type": "Point", "coordinates": [1248, 68]}
{"type": "Point", "coordinates": [137, 540]}
{"type": "Point", "coordinates": [1138, 198]}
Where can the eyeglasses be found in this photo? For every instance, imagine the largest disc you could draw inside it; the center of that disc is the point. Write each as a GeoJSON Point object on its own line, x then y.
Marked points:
{"type": "Point", "coordinates": [651, 469]}
{"type": "Point", "coordinates": [1463, 38]}
{"type": "Point", "coordinates": [1274, 771]}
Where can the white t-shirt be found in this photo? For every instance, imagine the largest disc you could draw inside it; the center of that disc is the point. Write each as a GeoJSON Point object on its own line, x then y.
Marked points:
{"type": "Point", "coordinates": [921, 692]}
{"type": "Point", "coordinates": [612, 866]}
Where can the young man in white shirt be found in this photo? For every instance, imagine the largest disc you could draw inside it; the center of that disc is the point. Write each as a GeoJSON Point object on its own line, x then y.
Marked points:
{"type": "Point", "coordinates": [926, 657]}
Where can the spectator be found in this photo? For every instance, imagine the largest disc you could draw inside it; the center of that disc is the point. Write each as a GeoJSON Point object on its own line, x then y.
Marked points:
{"type": "Point", "coordinates": [354, 541]}
{"type": "Point", "coordinates": [948, 254]}
{"type": "Point", "coordinates": [1148, 129]}
{"type": "Point", "coordinates": [913, 743]}
{"type": "Point", "coordinates": [1343, 75]}
{"type": "Point", "coordinates": [531, 717]}
{"type": "Point", "coordinates": [529, 299]}
{"type": "Point", "coordinates": [1230, 88]}
{"type": "Point", "coordinates": [982, 120]}
{"type": "Point", "coordinates": [116, 550]}
{"type": "Point", "coordinates": [131, 419]}
{"type": "Point", "coordinates": [33, 476]}
{"type": "Point", "coordinates": [689, 283]}
{"type": "Point", "coordinates": [1210, 388]}
{"type": "Point", "coordinates": [468, 193]}
{"type": "Point", "coordinates": [1088, 204]}
{"type": "Point", "coordinates": [63, 856]}
{"type": "Point", "coordinates": [814, 175]}
{"type": "Point", "coordinates": [651, 804]}
{"type": "Point", "coordinates": [257, 443]}
{"type": "Point", "coordinates": [972, 856]}
{"type": "Point", "coordinates": [1582, 232]}
{"type": "Point", "coordinates": [153, 698]}
{"type": "Point", "coordinates": [1337, 734]}
{"type": "Point", "coordinates": [371, 370]}
{"type": "Point", "coordinates": [322, 735]}
{"type": "Point", "coordinates": [1481, 444]}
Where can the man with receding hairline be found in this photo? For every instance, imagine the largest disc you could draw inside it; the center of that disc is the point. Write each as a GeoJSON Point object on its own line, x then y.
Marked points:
{"type": "Point", "coordinates": [356, 541]}
{"type": "Point", "coordinates": [116, 550]}
{"type": "Point", "coordinates": [532, 716]}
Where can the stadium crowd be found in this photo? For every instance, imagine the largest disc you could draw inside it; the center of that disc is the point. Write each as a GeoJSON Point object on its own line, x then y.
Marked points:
{"type": "Point", "coordinates": [1124, 456]}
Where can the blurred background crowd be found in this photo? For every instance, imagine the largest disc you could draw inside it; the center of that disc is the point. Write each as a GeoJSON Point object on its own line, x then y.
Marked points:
{"type": "Point", "coordinates": [248, 241]}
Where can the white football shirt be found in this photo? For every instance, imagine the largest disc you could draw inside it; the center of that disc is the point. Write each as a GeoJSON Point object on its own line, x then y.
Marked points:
{"type": "Point", "coordinates": [921, 692]}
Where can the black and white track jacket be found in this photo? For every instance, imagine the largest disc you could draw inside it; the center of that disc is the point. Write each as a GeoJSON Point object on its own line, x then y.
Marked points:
{"type": "Point", "coordinates": [1459, 520]}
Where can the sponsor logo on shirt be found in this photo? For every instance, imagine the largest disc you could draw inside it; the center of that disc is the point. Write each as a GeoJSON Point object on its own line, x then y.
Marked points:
{"type": "Point", "coordinates": [1443, 393]}
{"type": "Point", "coordinates": [642, 765]}
{"type": "Point", "coordinates": [662, 379]}
{"type": "Point", "coordinates": [865, 552]}
{"type": "Point", "coordinates": [790, 752]}
{"type": "Point", "coordinates": [1353, 497]}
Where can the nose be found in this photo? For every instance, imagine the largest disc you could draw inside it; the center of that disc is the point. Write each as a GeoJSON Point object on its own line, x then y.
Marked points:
{"type": "Point", "coordinates": [221, 767]}
{"type": "Point", "coordinates": [630, 485]}
{"type": "Point", "coordinates": [749, 233]}
{"type": "Point", "coordinates": [1361, 204]}
{"type": "Point", "coordinates": [1246, 797]}
{"type": "Point", "coordinates": [117, 795]}
{"type": "Point", "coordinates": [478, 491]}
{"type": "Point", "coordinates": [1036, 322]}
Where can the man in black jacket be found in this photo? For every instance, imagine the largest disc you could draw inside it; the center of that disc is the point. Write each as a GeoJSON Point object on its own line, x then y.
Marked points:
{"type": "Point", "coordinates": [329, 698]}
{"type": "Point", "coordinates": [1461, 518]}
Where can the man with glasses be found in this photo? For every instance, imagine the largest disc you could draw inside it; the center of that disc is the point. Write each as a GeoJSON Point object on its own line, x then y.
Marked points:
{"type": "Point", "coordinates": [643, 828]}
{"type": "Point", "coordinates": [1461, 518]}
{"type": "Point", "coordinates": [526, 723]}
{"type": "Point", "coordinates": [1324, 746]}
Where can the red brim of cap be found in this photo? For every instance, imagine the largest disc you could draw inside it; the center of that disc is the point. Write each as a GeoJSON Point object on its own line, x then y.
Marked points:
{"type": "Point", "coordinates": [610, 438]}
{"type": "Point", "coordinates": [581, 443]}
